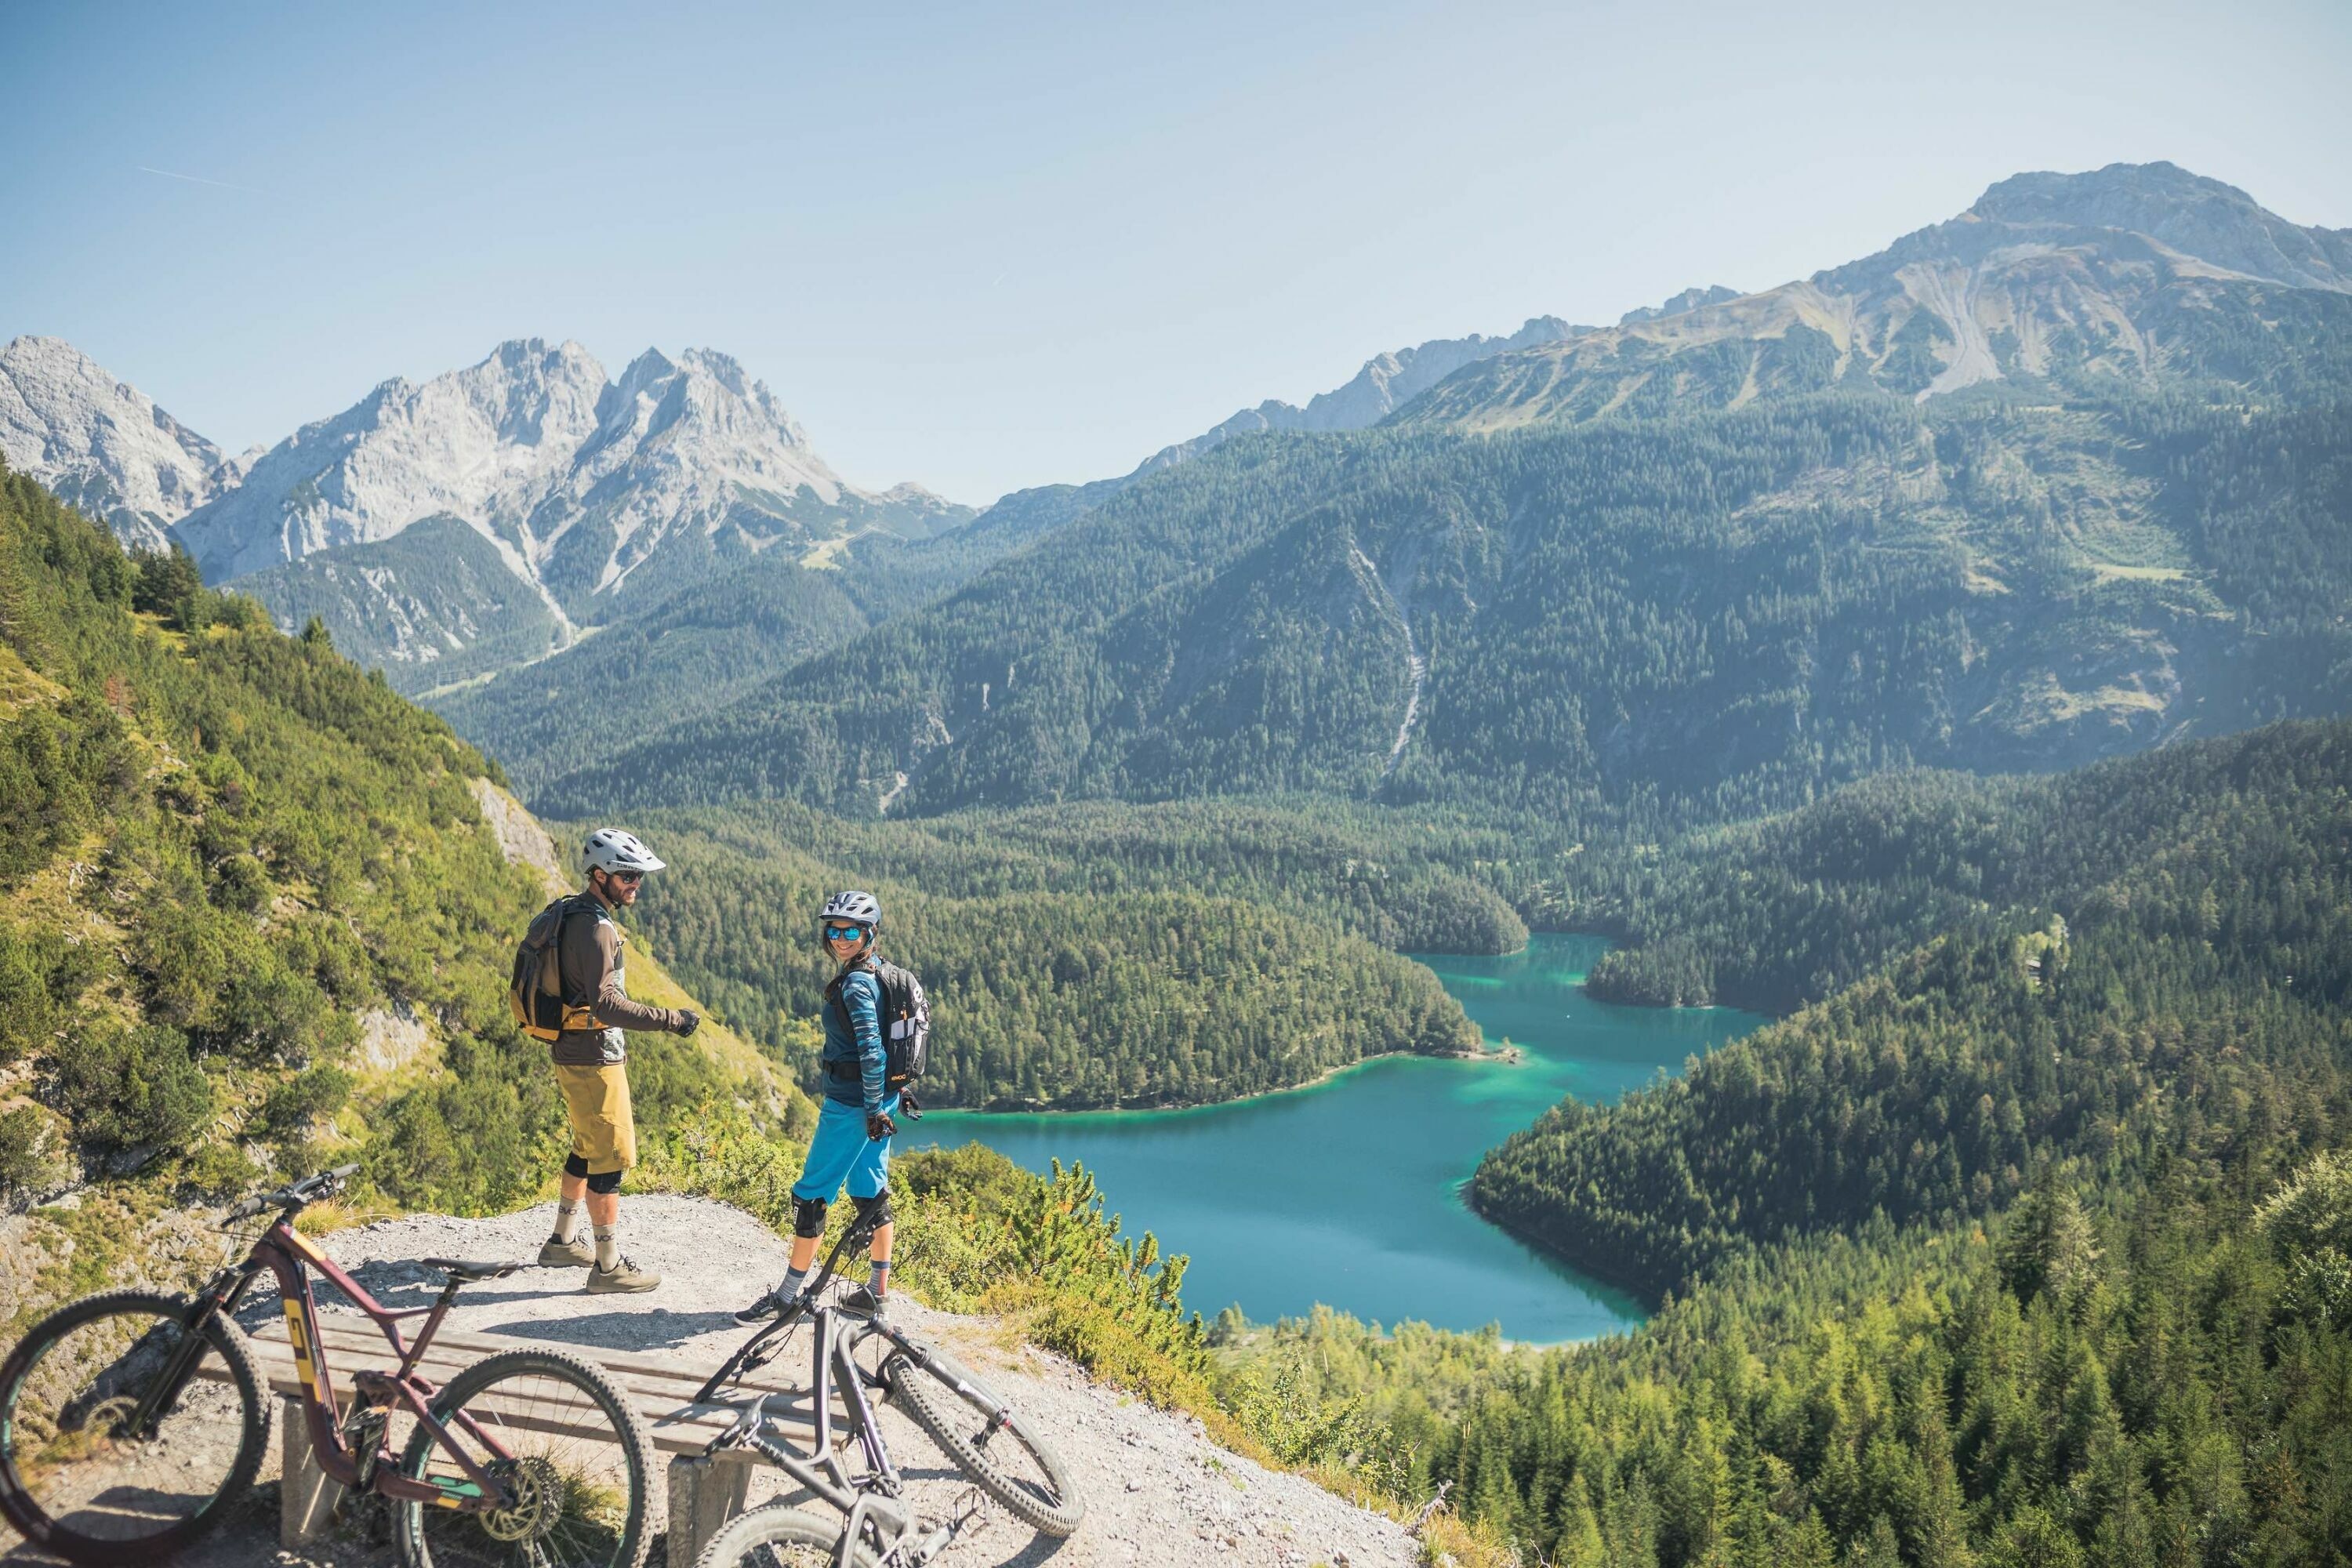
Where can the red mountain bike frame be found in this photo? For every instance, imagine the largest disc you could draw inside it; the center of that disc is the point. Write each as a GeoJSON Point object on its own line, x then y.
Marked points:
{"type": "Point", "coordinates": [285, 1251]}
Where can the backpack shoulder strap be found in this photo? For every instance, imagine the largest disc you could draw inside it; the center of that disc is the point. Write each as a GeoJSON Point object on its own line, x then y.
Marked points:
{"type": "Point", "coordinates": [873, 967]}
{"type": "Point", "coordinates": [568, 906]}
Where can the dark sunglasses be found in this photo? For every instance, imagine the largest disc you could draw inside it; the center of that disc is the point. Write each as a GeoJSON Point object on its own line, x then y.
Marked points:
{"type": "Point", "coordinates": [843, 933]}
{"type": "Point", "coordinates": [632, 878]}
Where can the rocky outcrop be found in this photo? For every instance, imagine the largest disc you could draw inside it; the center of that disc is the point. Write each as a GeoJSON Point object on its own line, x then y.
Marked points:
{"type": "Point", "coordinates": [101, 444]}
{"type": "Point", "coordinates": [578, 480]}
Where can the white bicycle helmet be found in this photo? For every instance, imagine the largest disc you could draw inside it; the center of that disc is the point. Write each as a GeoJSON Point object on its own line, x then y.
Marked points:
{"type": "Point", "coordinates": [612, 849]}
{"type": "Point", "coordinates": [853, 906]}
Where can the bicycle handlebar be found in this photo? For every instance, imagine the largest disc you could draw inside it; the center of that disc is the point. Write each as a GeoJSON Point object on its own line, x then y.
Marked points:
{"type": "Point", "coordinates": [309, 1190]}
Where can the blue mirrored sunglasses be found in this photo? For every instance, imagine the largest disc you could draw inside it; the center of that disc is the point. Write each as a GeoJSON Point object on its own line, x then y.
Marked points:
{"type": "Point", "coordinates": [843, 933]}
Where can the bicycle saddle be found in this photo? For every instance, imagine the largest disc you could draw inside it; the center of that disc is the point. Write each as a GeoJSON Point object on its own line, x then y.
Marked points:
{"type": "Point", "coordinates": [465, 1273]}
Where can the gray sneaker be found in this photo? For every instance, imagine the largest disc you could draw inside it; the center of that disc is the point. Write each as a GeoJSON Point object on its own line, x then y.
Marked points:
{"type": "Point", "coordinates": [858, 1301]}
{"type": "Point", "coordinates": [761, 1310]}
{"type": "Point", "coordinates": [623, 1277]}
{"type": "Point", "coordinates": [577, 1253]}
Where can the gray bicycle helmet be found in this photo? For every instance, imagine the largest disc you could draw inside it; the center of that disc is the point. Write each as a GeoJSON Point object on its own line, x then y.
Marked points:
{"type": "Point", "coordinates": [613, 850]}
{"type": "Point", "coordinates": [855, 906]}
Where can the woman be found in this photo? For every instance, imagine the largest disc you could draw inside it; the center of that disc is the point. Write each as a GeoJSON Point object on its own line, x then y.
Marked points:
{"type": "Point", "coordinates": [855, 1121]}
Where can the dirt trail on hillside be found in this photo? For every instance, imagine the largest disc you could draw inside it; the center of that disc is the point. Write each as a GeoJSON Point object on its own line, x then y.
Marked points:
{"type": "Point", "coordinates": [1157, 1490]}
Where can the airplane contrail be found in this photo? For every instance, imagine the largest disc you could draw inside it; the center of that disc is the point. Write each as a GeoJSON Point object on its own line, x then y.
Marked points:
{"type": "Point", "coordinates": [199, 179]}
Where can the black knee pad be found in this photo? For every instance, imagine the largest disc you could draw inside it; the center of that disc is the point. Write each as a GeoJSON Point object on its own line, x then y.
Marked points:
{"type": "Point", "coordinates": [876, 1208]}
{"type": "Point", "coordinates": [609, 1182]}
{"type": "Point", "coordinates": [575, 1166]}
{"type": "Point", "coordinates": [808, 1217]}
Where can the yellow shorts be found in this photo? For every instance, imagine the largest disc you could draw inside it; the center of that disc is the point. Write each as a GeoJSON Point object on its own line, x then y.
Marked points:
{"type": "Point", "coordinates": [603, 1131]}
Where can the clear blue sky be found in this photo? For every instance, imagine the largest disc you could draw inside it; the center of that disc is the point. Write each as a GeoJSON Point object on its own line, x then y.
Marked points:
{"type": "Point", "coordinates": [985, 246]}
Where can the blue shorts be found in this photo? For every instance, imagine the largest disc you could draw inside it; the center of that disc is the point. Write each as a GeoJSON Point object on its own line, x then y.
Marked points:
{"type": "Point", "coordinates": [840, 1150]}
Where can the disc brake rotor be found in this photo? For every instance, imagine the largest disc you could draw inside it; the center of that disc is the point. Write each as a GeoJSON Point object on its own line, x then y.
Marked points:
{"type": "Point", "coordinates": [538, 1489]}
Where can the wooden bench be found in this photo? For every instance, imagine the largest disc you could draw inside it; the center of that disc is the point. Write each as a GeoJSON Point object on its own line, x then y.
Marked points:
{"type": "Point", "coordinates": [703, 1494]}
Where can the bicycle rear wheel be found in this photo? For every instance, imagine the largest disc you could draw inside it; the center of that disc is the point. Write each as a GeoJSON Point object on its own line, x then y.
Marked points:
{"type": "Point", "coordinates": [563, 1437]}
{"type": "Point", "coordinates": [75, 1479]}
{"type": "Point", "coordinates": [777, 1536]}
{"type": "Point", "coordinates": [988, 1440]}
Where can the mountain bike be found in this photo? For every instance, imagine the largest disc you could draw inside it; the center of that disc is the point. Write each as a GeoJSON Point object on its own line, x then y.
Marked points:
{"type": "Point", "coordinates": [130, 1421]}
{"type": "Point", "coordinates": [988, 1440]}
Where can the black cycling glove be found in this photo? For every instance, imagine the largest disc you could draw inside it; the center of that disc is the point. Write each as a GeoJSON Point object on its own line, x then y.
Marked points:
{"type": "Point", "coordinates": [879, 1126]}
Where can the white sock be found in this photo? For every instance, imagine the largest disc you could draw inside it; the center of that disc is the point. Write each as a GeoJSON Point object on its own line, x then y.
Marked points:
{"type": "Point", "coordinates": [608, 1247]}
{"type": "Point", "coordinates": [567, 1219]}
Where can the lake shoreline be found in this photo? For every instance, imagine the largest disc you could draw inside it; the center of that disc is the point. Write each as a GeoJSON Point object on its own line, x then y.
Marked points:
{"type": "Point", "coordinates": [1176, 1106]}
{"type": "Point", "coordinates": [1650, 1298]}
{"type": "Point", "coordinates": [1349, 1190]}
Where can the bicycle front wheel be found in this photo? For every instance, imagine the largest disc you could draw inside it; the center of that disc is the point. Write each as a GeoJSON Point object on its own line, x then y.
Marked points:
{"type": "Point", "coordinates": [562, 1437]}
{"type": "Point", "coordinates": [81, 1472]}
{"type": "Point", "coordinates": [987, 1439]}
{"type": "Point", "coordinates": [777, 1536]}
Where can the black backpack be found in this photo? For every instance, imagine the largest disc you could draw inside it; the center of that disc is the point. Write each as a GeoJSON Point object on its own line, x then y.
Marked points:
{"type": "Point", "coordinates": [906, 1023]}
{"type": "Point", "coordinates": [535, 989]}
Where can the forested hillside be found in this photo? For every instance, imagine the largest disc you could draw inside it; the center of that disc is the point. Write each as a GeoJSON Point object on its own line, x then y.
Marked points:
{"type": "Point", "coordinates": [2031, 1248]}
{"type": "Point", "coordinates": [2056, 480]}
{"type": "Point", "coordinates": [694, 651]}
{"type": "Point", "coordinates": [2151, 1375]}
{"type": "Point", "coordinates": [1720, 614]}
{"type": "Point", "coordinates": [2195, 977]}
{"type": "Point", "coordinates": [254, 912]}
{"type": "Point", "coordinates": [434, 605]}
{"type": "Point", "coordinates": [1776, 913]}
{"type": "Point", "coordinates": [1087, 955]}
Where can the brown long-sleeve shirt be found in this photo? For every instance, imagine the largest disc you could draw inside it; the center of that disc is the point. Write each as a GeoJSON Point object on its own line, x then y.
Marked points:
{"type": "Point", "coordinates": [590, 962]}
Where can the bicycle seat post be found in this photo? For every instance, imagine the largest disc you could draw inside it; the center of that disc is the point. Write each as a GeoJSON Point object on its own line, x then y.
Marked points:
{"type": "Point", "coordinates": [431, 1325]}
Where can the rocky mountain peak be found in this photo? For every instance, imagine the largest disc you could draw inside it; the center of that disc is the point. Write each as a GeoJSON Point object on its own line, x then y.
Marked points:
{"type": "Point", "coordinates": [1387, 381]}
{"type": "Point", "coordinates": [1678, 304]}
{"type": "Point", "coordinates": [578, 482]}
{"type": "Point", "coordinates": [2132, 275]}
{"type": "Point", "coordinates": [2188, 213]}
{"type": "Point", "coordinates": [100, 443]}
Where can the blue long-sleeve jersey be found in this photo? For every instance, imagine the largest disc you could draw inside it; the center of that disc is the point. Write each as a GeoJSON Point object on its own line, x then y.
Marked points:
{"type": "Point", "coordinates": [859, 1043]}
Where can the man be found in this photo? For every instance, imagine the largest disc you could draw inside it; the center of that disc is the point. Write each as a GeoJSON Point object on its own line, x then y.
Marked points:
{"type": "Point", "coordinates": [591, 1064]}
{"type": "Point", "coordinates": [857, 1121]}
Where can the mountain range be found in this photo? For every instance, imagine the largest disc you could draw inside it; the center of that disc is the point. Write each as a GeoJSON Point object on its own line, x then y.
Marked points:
{"type": "Point", "coordinates": [2131, 277]}
{"type": "Point", "coordinates": [2026, 489]}
{"type": "Point", "coordinates": [1964, 465]}
{"type": "Point", "coordinates": [489, 517]}
{"type": "Point", "coordinates": [482, 518]}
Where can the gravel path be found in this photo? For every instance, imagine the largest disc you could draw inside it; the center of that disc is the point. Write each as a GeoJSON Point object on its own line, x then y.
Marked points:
{"type": "Point", "coordinates": [1157, 1490]}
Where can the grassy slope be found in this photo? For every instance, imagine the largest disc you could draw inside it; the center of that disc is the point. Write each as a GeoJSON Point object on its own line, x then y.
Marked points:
{"type": "Point", "coordinates": [256, 915]}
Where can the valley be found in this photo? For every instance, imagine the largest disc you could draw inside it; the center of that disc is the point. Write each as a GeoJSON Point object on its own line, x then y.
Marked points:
{"type": "Point", "coordinates": [1924, 682]}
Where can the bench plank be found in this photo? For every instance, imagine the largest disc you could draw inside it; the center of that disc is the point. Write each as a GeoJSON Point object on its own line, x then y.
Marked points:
{"type": "Point", "coordinates": [661, 1389]}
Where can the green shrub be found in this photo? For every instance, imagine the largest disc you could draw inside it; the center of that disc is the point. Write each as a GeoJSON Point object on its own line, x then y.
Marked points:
{"type": "Point", "coordinates": [126, 1088]}
{"type": "Point", "coordinates": [22, 1154]}
{"type": "Point", "coordinates": [307, 1096]}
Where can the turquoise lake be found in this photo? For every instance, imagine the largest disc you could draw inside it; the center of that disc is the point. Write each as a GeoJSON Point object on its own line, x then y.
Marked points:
{"type": "Point", "coordinates": [1348, 1192]}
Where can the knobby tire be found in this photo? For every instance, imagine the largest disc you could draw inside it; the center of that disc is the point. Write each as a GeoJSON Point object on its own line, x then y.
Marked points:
{"type": "Point", "coordinates": [777, 1535]}
{"type": "Point", "coordinates": [224, 1338]}
{"type": "Point", "coordinates": [929, 1399]}
{"type": "Point", "coordinates": [413, 1521]}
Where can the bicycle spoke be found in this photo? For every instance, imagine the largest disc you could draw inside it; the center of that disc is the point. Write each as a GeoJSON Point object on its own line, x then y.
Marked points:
{"type": "Point", "coordinates": [72, 1448]}
{"type": "Point", "coordinates": [572, 1489]}
{"type": "Point", "coordinates": [1006, 1455]}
